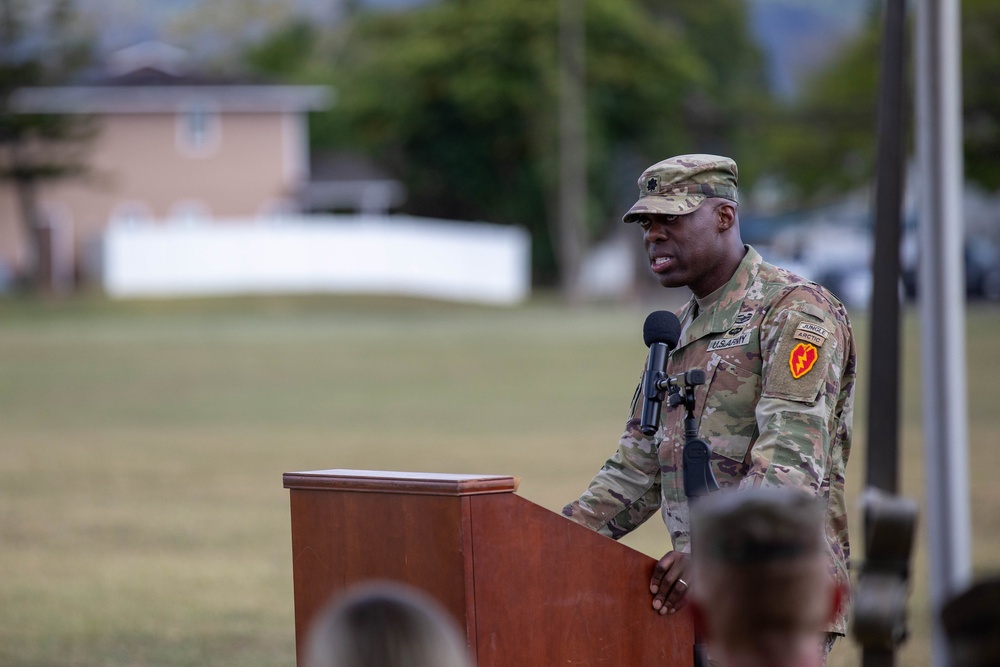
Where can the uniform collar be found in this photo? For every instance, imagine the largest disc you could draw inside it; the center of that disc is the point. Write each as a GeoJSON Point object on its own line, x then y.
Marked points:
{"type": "Point", "coordinates": [721, 315]}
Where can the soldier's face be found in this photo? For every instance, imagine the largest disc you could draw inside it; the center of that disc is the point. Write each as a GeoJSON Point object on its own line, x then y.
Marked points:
{"type": "Point", "coordinates": [687, 250]}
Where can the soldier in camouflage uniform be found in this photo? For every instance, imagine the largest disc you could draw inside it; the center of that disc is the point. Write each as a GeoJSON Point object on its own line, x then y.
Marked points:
{"type": "Point", "coordinates": [779, 359]}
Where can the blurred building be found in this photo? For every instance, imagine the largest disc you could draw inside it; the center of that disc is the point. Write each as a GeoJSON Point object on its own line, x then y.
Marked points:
{"type": "Point", "coordinates": [170, 144]}
{"type": "Point", "coordinates": [196, 186]}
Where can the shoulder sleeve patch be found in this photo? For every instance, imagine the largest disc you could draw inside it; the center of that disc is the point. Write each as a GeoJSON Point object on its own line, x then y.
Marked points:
{"type": "Point", "coordinates": [797, 369]}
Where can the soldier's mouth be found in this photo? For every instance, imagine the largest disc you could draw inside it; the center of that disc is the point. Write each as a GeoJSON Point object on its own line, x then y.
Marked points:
{"type": "Point", "coordinates": [660, 263]}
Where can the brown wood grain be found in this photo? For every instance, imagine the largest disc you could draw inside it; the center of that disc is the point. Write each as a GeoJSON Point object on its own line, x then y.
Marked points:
{"type": "Point", "coordinates": [550, 592]}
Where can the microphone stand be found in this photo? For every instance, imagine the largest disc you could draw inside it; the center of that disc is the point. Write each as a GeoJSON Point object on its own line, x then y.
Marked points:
{"type": "Point", "coordinates": [699, 480]}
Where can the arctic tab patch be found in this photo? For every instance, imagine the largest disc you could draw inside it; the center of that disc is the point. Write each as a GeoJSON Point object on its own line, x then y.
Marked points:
{"type": "Point", "coordinates": [810, 337]}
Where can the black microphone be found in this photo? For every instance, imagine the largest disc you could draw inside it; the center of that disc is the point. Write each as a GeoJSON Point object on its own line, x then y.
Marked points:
{"type": "Point", "coordinates": [661, 332]}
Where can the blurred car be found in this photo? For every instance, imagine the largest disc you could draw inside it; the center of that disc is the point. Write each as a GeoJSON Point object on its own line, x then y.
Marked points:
{"type": "Point", "coordinates": [837, 256]}
{"type": "Point", "coordinates": [982, 270]}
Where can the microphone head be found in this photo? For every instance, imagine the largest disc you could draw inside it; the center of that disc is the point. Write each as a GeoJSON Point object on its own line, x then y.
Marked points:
{"type": "Point", "coordinates": [661, 326]}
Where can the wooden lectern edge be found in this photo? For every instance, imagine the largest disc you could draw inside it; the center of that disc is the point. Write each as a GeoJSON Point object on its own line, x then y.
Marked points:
{"type": "Point", "coordinates": [382, 481]}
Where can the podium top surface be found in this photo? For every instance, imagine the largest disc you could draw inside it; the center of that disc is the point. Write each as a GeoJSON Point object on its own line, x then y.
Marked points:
{"type": "Point", "coordinates": [387, 481]}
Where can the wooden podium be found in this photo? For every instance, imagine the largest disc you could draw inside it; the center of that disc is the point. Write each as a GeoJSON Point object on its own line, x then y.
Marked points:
{"type": "Point", "coordinates": [529, 587]}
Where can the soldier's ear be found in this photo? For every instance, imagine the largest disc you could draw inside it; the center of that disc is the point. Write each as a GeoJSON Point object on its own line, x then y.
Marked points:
{"type": "Point", "coordinates": [725, 216]}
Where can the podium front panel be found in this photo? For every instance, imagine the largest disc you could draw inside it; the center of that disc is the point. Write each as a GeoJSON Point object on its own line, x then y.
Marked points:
{"type": "Point", "coordinates": [551, 592]}
{"type": "Point", "coordinates": [340, 538]}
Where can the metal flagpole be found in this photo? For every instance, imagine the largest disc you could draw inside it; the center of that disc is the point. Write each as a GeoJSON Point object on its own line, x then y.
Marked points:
{"type": "Point", "coordinates": [880, 593]}
{"type": "Point", "coordinates": [942, 305]}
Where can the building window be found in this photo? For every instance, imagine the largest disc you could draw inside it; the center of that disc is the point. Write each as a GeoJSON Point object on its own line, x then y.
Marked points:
{"type": "Point", "coordinates": [198, 131]}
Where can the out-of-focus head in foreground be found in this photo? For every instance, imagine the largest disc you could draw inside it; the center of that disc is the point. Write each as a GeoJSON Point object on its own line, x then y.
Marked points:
{"type": "Point", "coordinates": [762, 586]}
{"type": "Point", "coordinates": [383, 624]}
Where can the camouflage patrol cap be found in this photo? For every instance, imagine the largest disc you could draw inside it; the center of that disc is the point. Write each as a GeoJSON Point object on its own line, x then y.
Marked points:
{"type": "Point", "coordinates": [679, 185]}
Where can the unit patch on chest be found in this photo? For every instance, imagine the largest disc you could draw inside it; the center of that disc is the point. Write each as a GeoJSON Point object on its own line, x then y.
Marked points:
{"type": "Point", "coordinates": [726, 343]}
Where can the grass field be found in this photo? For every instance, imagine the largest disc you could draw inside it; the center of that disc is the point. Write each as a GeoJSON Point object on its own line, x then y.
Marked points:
{"type": "Point", "coordinates": [142, 515]}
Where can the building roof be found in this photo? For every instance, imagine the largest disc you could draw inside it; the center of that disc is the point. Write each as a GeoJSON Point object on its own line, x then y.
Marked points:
{"type": "Point", "coordinates": [152, 77]}
{"type": "Point", "coordinates": [171, 98]}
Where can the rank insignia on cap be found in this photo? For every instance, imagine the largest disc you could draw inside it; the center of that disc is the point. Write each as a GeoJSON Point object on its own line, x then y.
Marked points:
{"type": "Point", "coordinates": [802, 359]}
{"type": "Point", "coordinates": [651, 184]}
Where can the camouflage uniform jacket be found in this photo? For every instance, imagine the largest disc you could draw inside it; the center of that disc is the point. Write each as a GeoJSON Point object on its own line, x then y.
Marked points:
{"type": "Point", "coordinates": [776, 408]}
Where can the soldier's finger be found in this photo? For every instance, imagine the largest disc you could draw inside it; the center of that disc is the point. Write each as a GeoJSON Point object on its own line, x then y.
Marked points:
{"type": "Point", "coordinates": [667, 587]}
{"type": "Point", "coordinates": [678, 595]}
{"type": "Point", "coordinates": [660, 579]}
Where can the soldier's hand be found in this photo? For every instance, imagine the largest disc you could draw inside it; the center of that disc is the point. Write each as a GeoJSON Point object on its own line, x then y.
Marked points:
{"type": "Point", "coordinates": [668, 587]}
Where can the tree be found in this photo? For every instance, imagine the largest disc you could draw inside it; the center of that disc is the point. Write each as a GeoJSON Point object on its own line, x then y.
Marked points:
{"type": "Point", "coordinates": [981, 96]}
{"type": "Point", "coordinates": [825, 145]}
{"type": "Point", "coordinates": [459, 99]}
{"type": "Point", "coordinates": [220, 29]}
{"type": "Point", "coordinates": [37, 148]}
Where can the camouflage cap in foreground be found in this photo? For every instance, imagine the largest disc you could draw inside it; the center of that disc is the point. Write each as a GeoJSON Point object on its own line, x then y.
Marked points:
{"type": "Point", "coordinates": [679, 185]}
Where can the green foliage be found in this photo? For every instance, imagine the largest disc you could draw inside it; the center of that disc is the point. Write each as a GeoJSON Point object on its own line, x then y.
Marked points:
{"type": "Point", "coordinates": [721, 116]}
{"type": "Point", "coordinates": [460, 101]}
{"type": "Point", "coordinates": [826, 144]}
{"type": "Point", "coordinates": [38, 147]}
{"type": "Point", "coordinates": [823, 143]}
{"type": "Point", "coordinates": [286, 51]}
{"type": "Point", "coordinates": [981, 63]}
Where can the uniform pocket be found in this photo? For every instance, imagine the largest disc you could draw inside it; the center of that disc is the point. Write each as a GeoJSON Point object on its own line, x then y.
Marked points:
{"type": "Point", "coordinates": [728, 420]}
